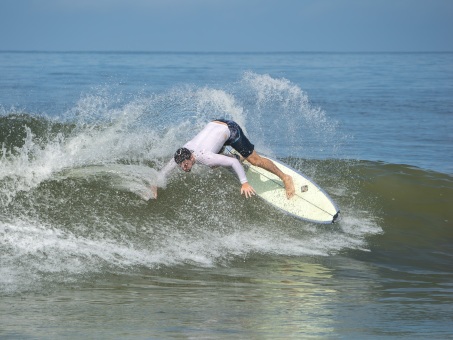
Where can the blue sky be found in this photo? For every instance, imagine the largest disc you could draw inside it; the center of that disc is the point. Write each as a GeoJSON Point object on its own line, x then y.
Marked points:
{"type": "Point", "coordinates": [226, 25]}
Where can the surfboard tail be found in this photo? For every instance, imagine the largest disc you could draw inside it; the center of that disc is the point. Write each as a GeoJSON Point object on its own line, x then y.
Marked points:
{"type": "Point", "coordinates": [336, 217]}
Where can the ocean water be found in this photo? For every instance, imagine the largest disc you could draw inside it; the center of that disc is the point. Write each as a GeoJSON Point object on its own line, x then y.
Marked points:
{"type": "Point", "coordinates": [83, 255]}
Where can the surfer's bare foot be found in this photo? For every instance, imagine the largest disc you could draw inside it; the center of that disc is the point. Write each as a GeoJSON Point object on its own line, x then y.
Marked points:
{"type": "Point", "coordinates": [289, 186]}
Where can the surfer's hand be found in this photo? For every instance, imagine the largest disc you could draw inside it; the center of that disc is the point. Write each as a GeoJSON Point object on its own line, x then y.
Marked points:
{"type": "Point", "coordinates": [154, 191]}
{"type": "Point", "coordinates": [247, 190]}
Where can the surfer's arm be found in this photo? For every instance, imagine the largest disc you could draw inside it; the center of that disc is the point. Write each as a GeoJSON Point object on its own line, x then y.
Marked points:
{"type": "Point", "coordinates": [225, 161]}
{"type": "Point", "coordinates": [214, 160]}
{"type": "Point", "coordinates": [246, 188]}
{"type": "Point", "coordinates": [165, 171]}
{"type": "Point", "coordinates": [162, 176]}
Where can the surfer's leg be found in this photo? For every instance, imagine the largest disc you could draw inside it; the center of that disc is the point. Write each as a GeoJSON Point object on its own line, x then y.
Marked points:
{"type": "Point", "coordinates": [247, 150]}
{"type": "Point", "coordinates": [268, 165]}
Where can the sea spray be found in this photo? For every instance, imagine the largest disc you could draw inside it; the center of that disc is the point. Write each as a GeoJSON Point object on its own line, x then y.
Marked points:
{"type": "Point", "coordinates": [78, 187]}
{"type": "Point", "coordinates": [282, 114]}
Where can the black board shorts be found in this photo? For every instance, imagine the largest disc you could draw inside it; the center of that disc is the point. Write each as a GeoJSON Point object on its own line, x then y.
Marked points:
{"type": "Point", "coordinates": [238, 141]}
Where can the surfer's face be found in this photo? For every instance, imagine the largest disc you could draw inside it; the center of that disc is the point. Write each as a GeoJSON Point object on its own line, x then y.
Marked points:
{"type": "Point", "coordinates": [187, 164]}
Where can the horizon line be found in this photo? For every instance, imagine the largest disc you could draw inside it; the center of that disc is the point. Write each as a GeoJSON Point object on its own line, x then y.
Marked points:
{"type": "Point", "coordinates": [210, 52]}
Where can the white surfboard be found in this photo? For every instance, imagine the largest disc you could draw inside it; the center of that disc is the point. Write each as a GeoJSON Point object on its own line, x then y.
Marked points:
{"type": "Point", "coordinates": [312, 205]}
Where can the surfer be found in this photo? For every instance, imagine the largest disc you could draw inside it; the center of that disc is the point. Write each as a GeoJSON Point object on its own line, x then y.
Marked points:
{"type": "Point", "coordinates": [206, 148]}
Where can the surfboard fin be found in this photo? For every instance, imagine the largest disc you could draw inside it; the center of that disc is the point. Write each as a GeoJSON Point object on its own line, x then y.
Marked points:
{"type": "Point", "coordinates": [336, 217]}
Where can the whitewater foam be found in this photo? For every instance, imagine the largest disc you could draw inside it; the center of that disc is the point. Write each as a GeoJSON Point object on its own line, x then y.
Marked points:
{"type": "Point", "coordinates": [77, 198]}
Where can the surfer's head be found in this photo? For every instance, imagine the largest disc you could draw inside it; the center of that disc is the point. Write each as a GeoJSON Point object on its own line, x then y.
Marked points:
{"type": "Point", "coordinates": [184, 158]}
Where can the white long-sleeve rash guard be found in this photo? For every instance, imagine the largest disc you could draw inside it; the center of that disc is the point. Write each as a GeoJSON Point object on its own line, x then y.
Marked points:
{"type": "Point", "coordinates": [205, 147]}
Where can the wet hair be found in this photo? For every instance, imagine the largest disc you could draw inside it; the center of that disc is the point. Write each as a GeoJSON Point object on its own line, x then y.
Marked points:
{"type": "Point", "coordinates": [182, 154]}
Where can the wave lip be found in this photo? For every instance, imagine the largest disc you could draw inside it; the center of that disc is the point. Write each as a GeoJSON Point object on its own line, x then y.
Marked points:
{"type": "Point", "coordinates": [74, 188]}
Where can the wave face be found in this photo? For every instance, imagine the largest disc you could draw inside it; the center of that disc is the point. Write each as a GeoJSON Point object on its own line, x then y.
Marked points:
{"type": "Point", "coordinates": [72, 188]}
